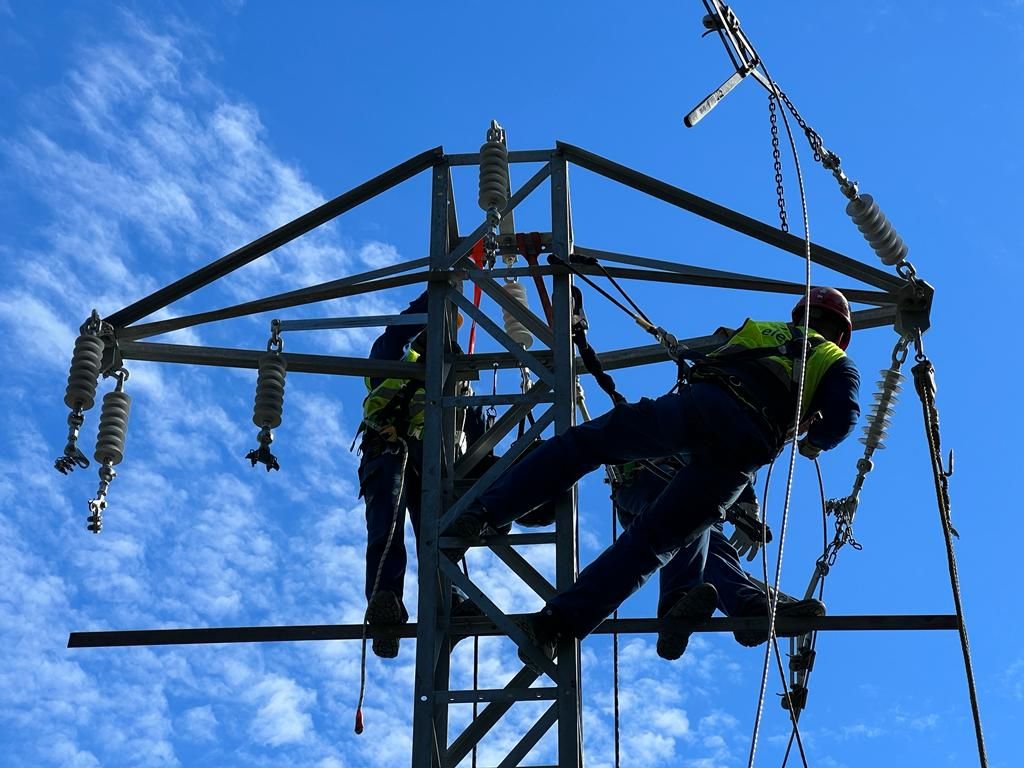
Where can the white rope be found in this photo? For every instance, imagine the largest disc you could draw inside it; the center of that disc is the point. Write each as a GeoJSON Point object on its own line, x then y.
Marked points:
{"type": "Point", "coordinates": [376, 584]}
{"type": "Point", "coordinates": [773, 596]}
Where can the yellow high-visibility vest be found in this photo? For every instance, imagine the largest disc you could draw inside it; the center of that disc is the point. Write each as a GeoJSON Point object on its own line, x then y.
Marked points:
{"type": "Point", "coordinates": [388, 389]}
{"type": "Point", "coordinates": [754, 334]}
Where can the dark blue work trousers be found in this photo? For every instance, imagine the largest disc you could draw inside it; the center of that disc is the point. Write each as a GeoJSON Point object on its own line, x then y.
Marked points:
{"type": "Point", "coordinates": [708, 558]}
{"type": "Point", "coordinates": [726, 444]}
{"type": "Point", "coordinates": [389, 492]}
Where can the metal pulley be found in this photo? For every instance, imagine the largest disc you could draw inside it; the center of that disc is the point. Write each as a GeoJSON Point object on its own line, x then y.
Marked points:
{"type": "Point", "coordinates": [110, 441]}
{"type": "Point", "coordinates": [269, 401]}
{"type": "Point", "coordinates": [80, 394]}
{"type": "Point", "coordinates": [513, 327]}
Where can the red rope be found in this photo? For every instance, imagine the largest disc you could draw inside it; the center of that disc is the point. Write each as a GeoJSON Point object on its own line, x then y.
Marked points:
{"type": "Point", "coordinates": [477, 255]}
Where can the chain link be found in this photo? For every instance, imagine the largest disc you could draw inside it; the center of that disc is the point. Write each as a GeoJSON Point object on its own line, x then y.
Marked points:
{"type": "Point", "coordinates": [812, 136]}
{"type": "Point", "coordinates": [777, 158]}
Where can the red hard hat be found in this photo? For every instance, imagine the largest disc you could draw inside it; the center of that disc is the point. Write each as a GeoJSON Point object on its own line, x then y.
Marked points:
{"type": "Point", "coordinates": [830, 300]}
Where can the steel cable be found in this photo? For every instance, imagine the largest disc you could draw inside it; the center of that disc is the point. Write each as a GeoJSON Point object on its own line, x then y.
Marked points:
{"type": "Point", "coordinates": [615, 657]}
{"type": "Point", "coordinates": [773, 641]}
{"type": "Point", "coordinates": [821, 595]}
{"type": "Point", "coordinates": [773, 597]}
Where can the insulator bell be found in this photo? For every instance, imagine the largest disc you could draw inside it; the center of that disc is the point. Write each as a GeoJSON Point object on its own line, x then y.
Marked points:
{"type": "Point", "coordinates": [877, 230]}
{"type": "Point", "coordinates": [110, 440]}
{"type": "Point", "coordinates": [269, 403]}
{"type": "Point", "coordinates": [880, 418]}
{"type": "Point", "coordinates": [513, 327]}
{"type": "Point", "coordinates": [113, 427]}
{"type": "Point", "coordinates": [494, 183]}
{"type": "Point", "coordinates": [85, 372]}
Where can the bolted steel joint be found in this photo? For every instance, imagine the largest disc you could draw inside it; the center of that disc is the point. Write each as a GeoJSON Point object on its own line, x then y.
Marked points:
{"type": "Point", "coordinates": [913, 307]}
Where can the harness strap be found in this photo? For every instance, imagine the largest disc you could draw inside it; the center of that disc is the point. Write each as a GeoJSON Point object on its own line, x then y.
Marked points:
{"type": "Point", "coordinates": [398, 403]}
{"type": "Point", "coordinates": [792, 349]}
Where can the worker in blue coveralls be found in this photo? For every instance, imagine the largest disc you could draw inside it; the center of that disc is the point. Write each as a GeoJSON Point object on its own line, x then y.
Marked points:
{"type": "Point", "coordinates": [734, 415]}
{"type": "Point", "coordinates": [389, 474]}
{"type": "Point", "coordinates": [706, 573]}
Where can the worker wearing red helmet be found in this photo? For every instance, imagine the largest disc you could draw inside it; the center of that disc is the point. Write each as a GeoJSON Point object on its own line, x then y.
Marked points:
{"type": "Point", "coordinates": [734, 415]}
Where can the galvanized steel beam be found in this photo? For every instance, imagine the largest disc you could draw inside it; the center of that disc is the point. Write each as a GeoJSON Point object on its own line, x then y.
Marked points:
{"type": "Point", "coordinates": [275, 239]}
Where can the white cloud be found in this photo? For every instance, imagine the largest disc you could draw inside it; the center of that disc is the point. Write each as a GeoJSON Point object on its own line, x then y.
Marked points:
{"type": "Point", "coordinates": [36, 329]}
{"type": "Point", "coordinates": [199, 723]}
{"type": "Point", "coordinates": [376, 254]}
{"type": "Point", "coordinates": [1014, 679]}
{"type": "Point", "coordinates": [146, 169]}
{"type": "Point", "coordinates": [282, 718]}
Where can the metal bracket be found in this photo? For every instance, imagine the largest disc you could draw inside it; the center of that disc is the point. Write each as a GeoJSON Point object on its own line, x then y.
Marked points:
{"type": "Point", "coordinates": [913, 307]}
{"type": "Point", "coordinates": [795, 699]}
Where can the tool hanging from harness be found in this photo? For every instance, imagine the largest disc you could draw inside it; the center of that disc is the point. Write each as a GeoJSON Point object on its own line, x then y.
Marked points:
{"type": "Point", "coordinates": [591, 361]}
{"type": "Point", "coordinates": [392, 420]}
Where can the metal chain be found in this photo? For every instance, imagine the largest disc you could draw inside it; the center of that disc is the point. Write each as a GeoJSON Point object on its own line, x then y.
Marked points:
{"type": "Point", "coordinates": [777, 158]}
{"type": "Point", "coordinates": [812, 136]}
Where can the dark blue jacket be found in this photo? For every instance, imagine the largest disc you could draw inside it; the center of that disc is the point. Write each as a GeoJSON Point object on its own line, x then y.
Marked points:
{"type": "Point", "coordinates": [836, 400]}
{"type": "Point", "coordinates": [391, 345]}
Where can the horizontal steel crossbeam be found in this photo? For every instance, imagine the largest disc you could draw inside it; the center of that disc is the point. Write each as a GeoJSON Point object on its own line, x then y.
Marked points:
{"type": "Point", "coordinates": [467, 627]}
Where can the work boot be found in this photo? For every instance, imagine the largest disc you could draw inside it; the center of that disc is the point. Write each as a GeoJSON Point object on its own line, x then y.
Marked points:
{"type": "Point", "coordinates": [541, 632]}
{"type": "Point", "coordinates": [469, 525]}
{"type": "Point", "coordinates": [464, 608]}
{"type": "Point", "coordinates": [789, 609]}
{"type": "Point", "coordinates": [385, 609]}
{"type": "Point", "coordinates": [698, 603]}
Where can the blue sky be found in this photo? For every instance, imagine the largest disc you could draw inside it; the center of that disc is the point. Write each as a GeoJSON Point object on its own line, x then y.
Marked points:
{"type": "Point", "coordinates": [138, 142]}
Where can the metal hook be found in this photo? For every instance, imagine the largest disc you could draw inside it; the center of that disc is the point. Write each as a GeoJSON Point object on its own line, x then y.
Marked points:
{"type": "Point", "coordinates": [275, 343]}
{"type": "Point", "coordinates": [900, 351]}
{"type": "Point", "coordinates": [949, 463]}
{"type": "Point", "coordinates": [122, 375]}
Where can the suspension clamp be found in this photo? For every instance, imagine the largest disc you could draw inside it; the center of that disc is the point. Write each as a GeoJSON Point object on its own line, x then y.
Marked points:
{"type": "Point", "coordinates": [262, 455]}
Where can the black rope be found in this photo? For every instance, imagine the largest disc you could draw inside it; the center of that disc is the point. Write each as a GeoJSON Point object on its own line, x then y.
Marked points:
{"type": "Point", "coordinates": [590, 260]}
{"type": "Point", "coordinates": [553, 259]}
{"type": "Point", "coordinates": [924, 381]}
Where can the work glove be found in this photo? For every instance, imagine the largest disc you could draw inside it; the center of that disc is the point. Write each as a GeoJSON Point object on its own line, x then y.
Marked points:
{"type": "Point", "coordinates": [746, 539]}
{"type": "Point", "coordinates": [808, 449]}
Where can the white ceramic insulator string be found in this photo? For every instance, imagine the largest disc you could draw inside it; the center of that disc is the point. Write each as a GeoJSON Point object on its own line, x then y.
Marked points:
{"type": "Point", "coordinates": [519, 332]}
